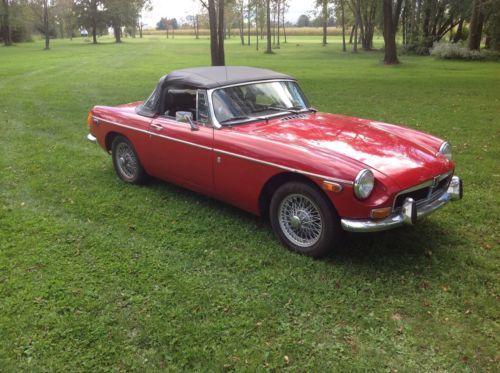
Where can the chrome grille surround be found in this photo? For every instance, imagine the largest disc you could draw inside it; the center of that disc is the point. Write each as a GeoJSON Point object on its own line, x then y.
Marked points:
{"type": "Point", "coordinates": [437, 186]}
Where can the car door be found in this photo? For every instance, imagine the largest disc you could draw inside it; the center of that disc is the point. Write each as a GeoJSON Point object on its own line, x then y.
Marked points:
{"type": "Point", "coordinates": [183, 155]}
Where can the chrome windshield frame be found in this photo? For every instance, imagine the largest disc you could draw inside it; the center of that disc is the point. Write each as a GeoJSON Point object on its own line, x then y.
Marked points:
{"type": "Point", "coordinates": [215, 122]}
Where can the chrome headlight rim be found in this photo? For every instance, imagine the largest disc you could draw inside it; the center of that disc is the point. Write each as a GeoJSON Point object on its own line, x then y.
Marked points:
{"type": "Point", "coordinates": [362, 190]}
{"type": "Point", "coordinates": [446, 150]}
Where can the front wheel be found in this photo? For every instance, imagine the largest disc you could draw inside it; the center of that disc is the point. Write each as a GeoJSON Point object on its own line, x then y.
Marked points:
{"type": "Point", "coordinates": [304, 220]}
{"type": "Point", "coordinates": [126, 162]}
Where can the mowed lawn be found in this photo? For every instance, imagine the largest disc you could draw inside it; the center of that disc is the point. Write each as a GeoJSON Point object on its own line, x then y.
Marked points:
{"type": "Point", "coordinates": [99, 275]}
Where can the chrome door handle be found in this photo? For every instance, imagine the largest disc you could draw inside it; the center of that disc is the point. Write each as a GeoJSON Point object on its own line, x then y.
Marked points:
{"type": "Point", "coordinates": [156, 126]}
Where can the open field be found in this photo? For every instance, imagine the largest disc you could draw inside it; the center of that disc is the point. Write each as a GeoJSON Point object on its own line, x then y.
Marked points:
{"type": "Point", "coordinates": [235, 33]}
{"type": "Point", "coordinates": [99, 275]}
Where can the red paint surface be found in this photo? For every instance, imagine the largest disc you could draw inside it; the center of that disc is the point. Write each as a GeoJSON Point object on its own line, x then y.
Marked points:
{"type": "Point", "coordinates": [330, 145]}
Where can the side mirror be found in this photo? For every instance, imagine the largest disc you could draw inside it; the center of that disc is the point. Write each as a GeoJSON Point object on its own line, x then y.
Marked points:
{"type": "Point", "coordinates": [186, 117]}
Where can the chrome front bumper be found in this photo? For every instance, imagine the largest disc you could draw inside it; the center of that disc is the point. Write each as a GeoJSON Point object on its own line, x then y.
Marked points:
{"type": "Point", "coordinates": [409, 212]}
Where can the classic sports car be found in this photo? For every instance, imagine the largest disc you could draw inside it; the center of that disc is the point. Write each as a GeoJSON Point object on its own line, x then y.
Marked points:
{"type": "Point", "coordinates": [250, 138]}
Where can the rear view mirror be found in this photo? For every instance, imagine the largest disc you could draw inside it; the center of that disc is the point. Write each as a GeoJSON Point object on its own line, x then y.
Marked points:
{"type": "Point", "coordinates": [186, 117]}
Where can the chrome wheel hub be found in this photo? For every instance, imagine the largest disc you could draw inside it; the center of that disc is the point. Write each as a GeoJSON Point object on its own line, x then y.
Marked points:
{"type": "Point", "coordinates": [300, 220]}
{"type": "Point", "coordinates": [126, 160]}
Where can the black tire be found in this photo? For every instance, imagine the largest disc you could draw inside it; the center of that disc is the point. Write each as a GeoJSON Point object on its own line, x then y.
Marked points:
{"type": "Point", "coordinates": [304, 219]}
{"type": "Point", "coordinates": [126, 162]}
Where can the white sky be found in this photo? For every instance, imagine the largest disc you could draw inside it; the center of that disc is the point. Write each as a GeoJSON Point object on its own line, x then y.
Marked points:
{"type": "Point", "coordinates": [181, 8]}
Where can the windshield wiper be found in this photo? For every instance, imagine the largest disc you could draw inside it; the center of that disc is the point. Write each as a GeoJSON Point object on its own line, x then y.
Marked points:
{"type": "Point", "coordinates": [235, 119]}
{"type": "Point", "coordinates": [291, 109]}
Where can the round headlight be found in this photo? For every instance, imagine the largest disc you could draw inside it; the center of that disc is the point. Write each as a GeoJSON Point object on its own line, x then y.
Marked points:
{"type": "Point", "coordinates": [363, 184]}
{"type": "Point", "coordinates": [445, 150]}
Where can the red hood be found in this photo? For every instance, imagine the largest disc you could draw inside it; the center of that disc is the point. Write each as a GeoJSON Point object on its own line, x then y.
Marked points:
{"type": "Point", "coordinates": [406, 156]}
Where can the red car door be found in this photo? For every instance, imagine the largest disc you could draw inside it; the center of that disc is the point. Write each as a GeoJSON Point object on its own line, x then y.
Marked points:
{"type": "Point", "coordinates": [181, 155]}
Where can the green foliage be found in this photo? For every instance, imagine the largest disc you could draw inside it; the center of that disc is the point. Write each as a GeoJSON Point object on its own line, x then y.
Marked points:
{"type": "Point", "coordinates": [96, 275]}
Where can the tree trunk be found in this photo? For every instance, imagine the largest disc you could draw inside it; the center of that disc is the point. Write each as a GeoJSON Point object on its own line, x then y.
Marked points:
{"type": "Point", "coordinates": [214, 39]}
{"type": "Point", "coordinates": [46, 24]}
{"type": "Point", "coordinates": [249, 23]}
{"type": "Point", "coordinates": [283, 19]}
{"type": "Point", "coordinates": [352, 33]}
{"type": "Point", "coordinates": [459, 35]}
{"type": "Point", "coordinates": [256, 26]}
{"type": "Point", "coordinates": [391, 56]}
{"type": "Point", "coordinates": [220, 46]}
{"type": "Point", "coordinates": [242, 24]}
{"type": "Point", "coordinates": [274, 27]}
{"type": "Point", "coordinates": [476, 25]}
{"type": "Point", "coordinates": [269, 49]}
{"type": "Point", "coordinates": [325, 22]}
{"type": "Point", "coordinates": [278, 19]}
{"type": "Point", "coordinates": [343, 25]}
{"type": "Point", "coordinates": [117, 31]}
{"type": "Point", "coordinates": [355, 48]}
{"type": "Point", "coordinates": [6, 32]}
{"type": "Point", "coordinates": [94, 21]}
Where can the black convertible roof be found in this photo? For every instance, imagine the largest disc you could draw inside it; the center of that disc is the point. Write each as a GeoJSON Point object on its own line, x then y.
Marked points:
{"type": "Point", "coordinates": [218, 76]}
{"type": "Point", "coordinates": [205, 78]}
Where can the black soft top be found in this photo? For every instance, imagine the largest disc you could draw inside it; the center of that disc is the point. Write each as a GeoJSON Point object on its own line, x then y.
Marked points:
{"type": "Point", "coordinates": [204, 78]}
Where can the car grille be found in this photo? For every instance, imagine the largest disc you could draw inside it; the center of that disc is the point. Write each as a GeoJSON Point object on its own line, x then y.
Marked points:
{"type": "Point", "coordinates": [427, 193]}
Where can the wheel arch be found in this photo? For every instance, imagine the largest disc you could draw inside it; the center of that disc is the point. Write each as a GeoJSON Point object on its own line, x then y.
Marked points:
{"type": "Point", "coordinates": [278, 180]}
{"type": "Point", "coordinates": [108, 140]}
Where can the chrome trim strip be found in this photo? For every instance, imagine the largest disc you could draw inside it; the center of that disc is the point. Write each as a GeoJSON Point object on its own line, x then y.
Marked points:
{"type": "Point", "coordinates": [396, 220]}
{"type": "Point", "coordinates": [425, 184]}
{"type": "Point", "coordinates": [157, 135]}
{"type": "Point", "coordinates": [327, 178]}
{"type": "Point", "coordinates": [454, 192]}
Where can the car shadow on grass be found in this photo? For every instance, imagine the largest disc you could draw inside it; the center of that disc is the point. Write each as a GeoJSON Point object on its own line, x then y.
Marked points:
{"type": "Point", "coordinates": [402, 247]}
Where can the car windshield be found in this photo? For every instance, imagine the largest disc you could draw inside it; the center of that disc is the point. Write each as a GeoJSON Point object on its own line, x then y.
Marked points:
{"type": "Point", "coordinates": [253, 101]}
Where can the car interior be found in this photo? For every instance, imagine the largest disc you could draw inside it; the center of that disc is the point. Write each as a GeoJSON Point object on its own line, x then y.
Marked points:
{"type": "Point", "coordinates": [180, 100]}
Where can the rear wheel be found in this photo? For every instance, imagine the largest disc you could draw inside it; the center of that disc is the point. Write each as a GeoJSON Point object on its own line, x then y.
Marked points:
{"type": "Point", "coordinates": [304, 220]}
{"type": "Point", "coordinates": [126, 162]}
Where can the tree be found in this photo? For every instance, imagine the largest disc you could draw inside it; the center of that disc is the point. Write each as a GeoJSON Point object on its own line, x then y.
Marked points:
{"type": "Point", "coordinates": [6, 27]}
{"type": "Point", "coordinates": [269, 49]}
{"type": "Point", "coordinates": [303, 21]}
{"type": "Point", "coordinates": [492, 27]}
{"type": "Point", "coordinates": [122, 13]}
{"type": "Point", "coordinates": [342, 9]}
{"type": "Point", "coordinates": [365, 12]}
{"type": "Point", "coordinates": [41, 9]}
{"type": "Point", "coordinates": [390, 56]}
{"type": "Point", "coordinates": [89, 14]}
{"type": "Point", "coordinates": [325, 15]}
{"type": "Point", "coordinates": [476, 25]}
{"type": "Point", "coordinates": [46, 30]}
{"type": "Point", "coordinates": [216, 20]}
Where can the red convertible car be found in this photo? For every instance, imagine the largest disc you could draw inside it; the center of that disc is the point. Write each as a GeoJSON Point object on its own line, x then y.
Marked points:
{"type": "Point", "coordinates": [250, 138]}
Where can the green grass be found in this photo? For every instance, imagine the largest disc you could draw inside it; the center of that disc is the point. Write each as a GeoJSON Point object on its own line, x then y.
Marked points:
{"type": "Point", "coordinates": [96, 274]}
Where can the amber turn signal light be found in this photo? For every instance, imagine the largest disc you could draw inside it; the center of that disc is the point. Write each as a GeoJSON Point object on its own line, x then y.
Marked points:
{"type": "Point", "coordinates": [381, 213]}
{"type": "Point", "coordinates": [332, 187]}
{"type": "Point", "coordinates": [89, 119]}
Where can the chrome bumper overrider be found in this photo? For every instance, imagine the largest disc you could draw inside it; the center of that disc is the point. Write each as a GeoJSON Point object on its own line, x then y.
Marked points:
{"type": "Point", "coordinates": [408, 214]}
{"type": "Point", "coordinates": [92, 138]}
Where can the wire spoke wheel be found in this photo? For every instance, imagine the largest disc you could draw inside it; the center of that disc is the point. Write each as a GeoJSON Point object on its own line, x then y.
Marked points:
{"type": "Point", "coordinates": [300, 220]}
{"type": "Point", "coordinates": [126, 160]}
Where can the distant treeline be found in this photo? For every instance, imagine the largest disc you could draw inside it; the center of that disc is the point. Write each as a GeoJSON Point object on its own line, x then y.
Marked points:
{"type": "Point", "coordinates": [235, 33]}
